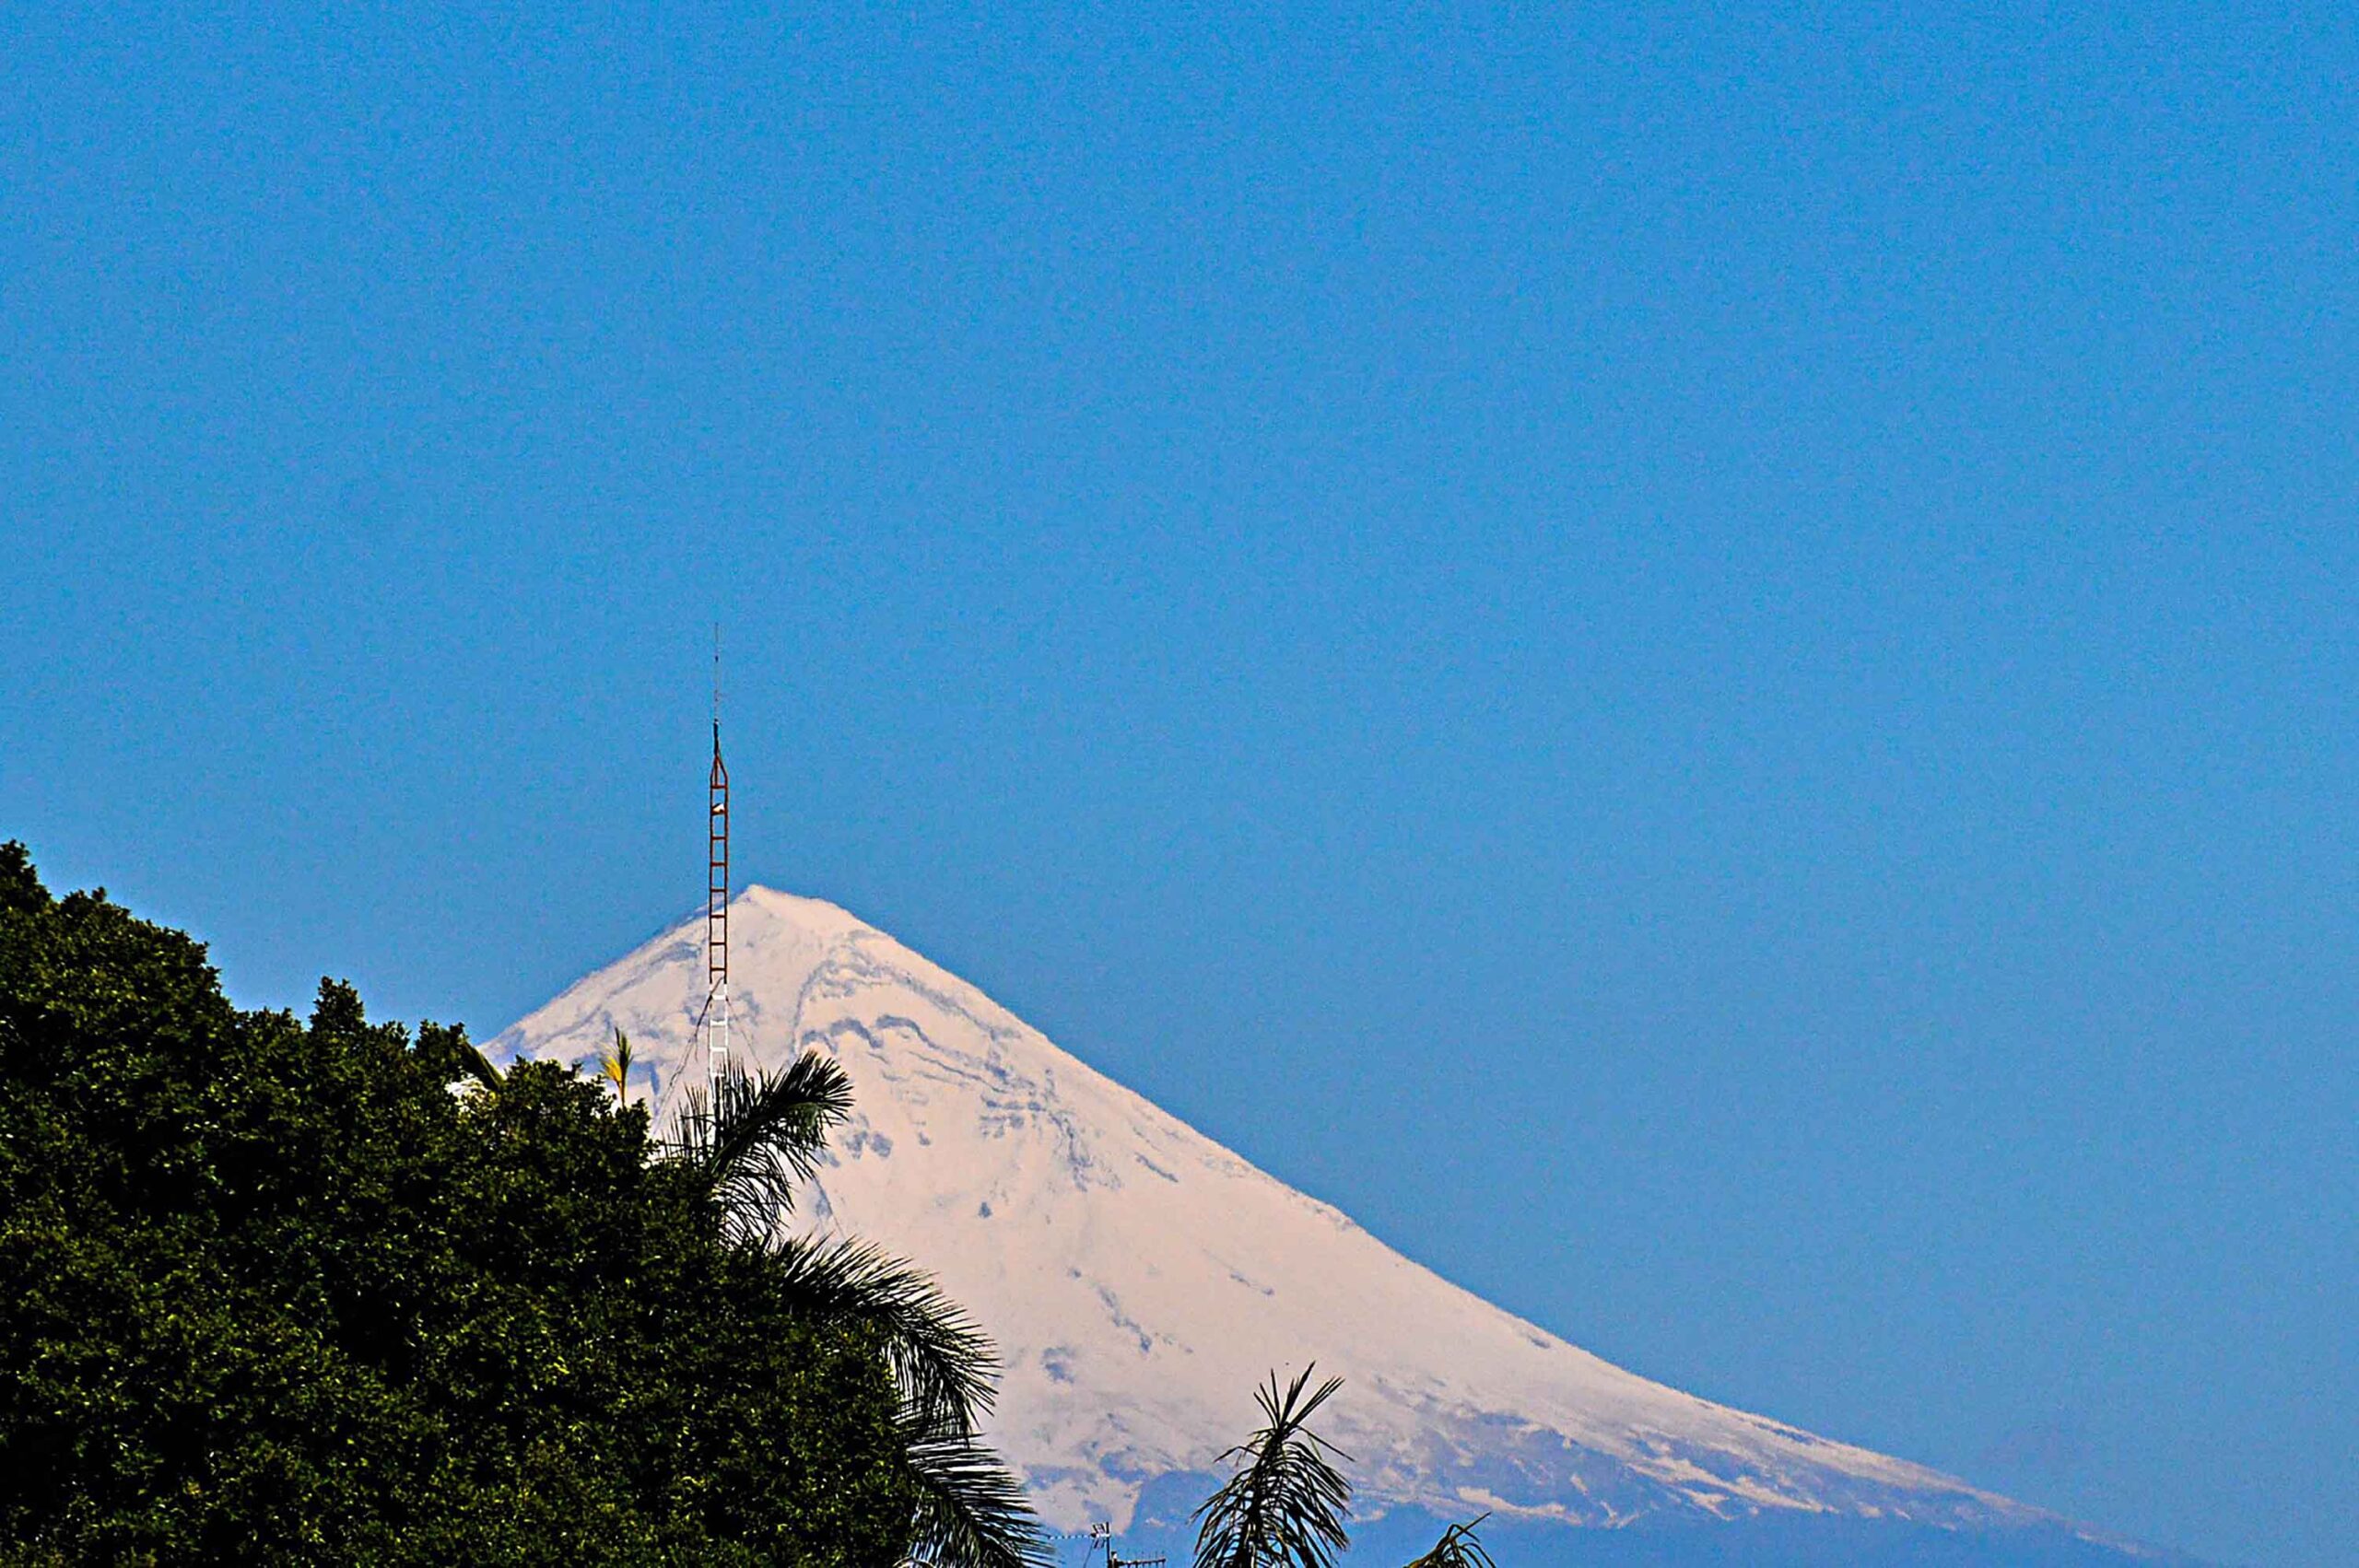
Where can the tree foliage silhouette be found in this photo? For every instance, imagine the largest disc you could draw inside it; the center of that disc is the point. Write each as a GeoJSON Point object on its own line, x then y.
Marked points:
{"type": "Point", "coordinates": [1284, 1505]}
{"type": "Point", "coordinates": [325, 1290]}
{"type": "Point", "coordinates": [1458, 1548]}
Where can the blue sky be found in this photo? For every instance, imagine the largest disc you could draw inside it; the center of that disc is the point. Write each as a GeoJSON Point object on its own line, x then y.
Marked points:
{"type": "Point", "coordinates": [1700, 662]}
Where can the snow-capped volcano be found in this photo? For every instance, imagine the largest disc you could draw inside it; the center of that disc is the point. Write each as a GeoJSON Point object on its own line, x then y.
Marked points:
{"type": "Point", "coordinates": [1139, 1279]}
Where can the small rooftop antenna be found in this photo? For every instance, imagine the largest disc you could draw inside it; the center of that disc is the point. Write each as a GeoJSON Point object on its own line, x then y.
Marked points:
{"type": "Point", "coordinates": [716, 907]}
{"type": "Point", "coordinates": [1103, 1536]}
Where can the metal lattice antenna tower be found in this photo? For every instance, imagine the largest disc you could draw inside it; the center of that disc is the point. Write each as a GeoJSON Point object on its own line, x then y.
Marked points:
{"type": "Point", "coordinates": [716, 909]}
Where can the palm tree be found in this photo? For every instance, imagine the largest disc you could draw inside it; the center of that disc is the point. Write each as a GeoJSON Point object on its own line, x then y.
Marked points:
{"type": "Point", "coordinates": [1284, 1508]}
{"type": "Point", "coordinates": [750, 1142]}
{"type": "Point", "coordinates": [1458, 1548]}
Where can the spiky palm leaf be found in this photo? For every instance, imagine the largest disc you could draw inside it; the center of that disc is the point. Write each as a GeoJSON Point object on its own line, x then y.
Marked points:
{"type": "Point", "coordinates": [477, 1065]}
{"type": "Point", "coordinates": [613, 1065]}
{"type": "Point", "coordinates": [752, 1138]}
{"type": "Point", "coordinates": [941, 1360]}
{"type": "Point", "coordinates": [1458, 1548]}
{"type": "Point", "coordinates": [1284, 1508]}
{"type": "Point", "coordinates": [971, 1511]}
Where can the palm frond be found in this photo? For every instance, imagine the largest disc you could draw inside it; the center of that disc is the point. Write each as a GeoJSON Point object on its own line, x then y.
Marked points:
{"type": "Point", "coordinates": [1285, 1506]}
{"type": "Point", "coordinates": [1458, 1548]}
{"type": "Point", "coordinates": [750, 1142]}
{"type": "Point", "coordinates": [479, 1065]}
{"type": "Point", "coordinates": [971, 1511]}
{"type": "Point", "coordinates": [752, 1138]}
{"type": "Point", "coordinates": [942, 1363]}
{"type": "Point", "coordinates": [614, 1064]}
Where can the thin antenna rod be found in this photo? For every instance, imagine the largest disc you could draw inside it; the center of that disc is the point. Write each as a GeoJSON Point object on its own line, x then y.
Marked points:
{"type": "Point", "coordinates": [716, 909]}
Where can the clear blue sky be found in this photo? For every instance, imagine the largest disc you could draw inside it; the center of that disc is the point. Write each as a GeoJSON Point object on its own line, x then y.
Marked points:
{"type": "Point", "coordinates": [1701, 663]}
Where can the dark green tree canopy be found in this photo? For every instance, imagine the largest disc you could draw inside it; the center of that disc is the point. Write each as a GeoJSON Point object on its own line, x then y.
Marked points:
{"type": "Point", "coordinates": [274, 1290]}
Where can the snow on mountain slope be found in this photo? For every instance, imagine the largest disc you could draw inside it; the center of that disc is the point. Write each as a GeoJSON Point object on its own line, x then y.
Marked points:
{"type": "Point", "coordinates": [1139, 1279]}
